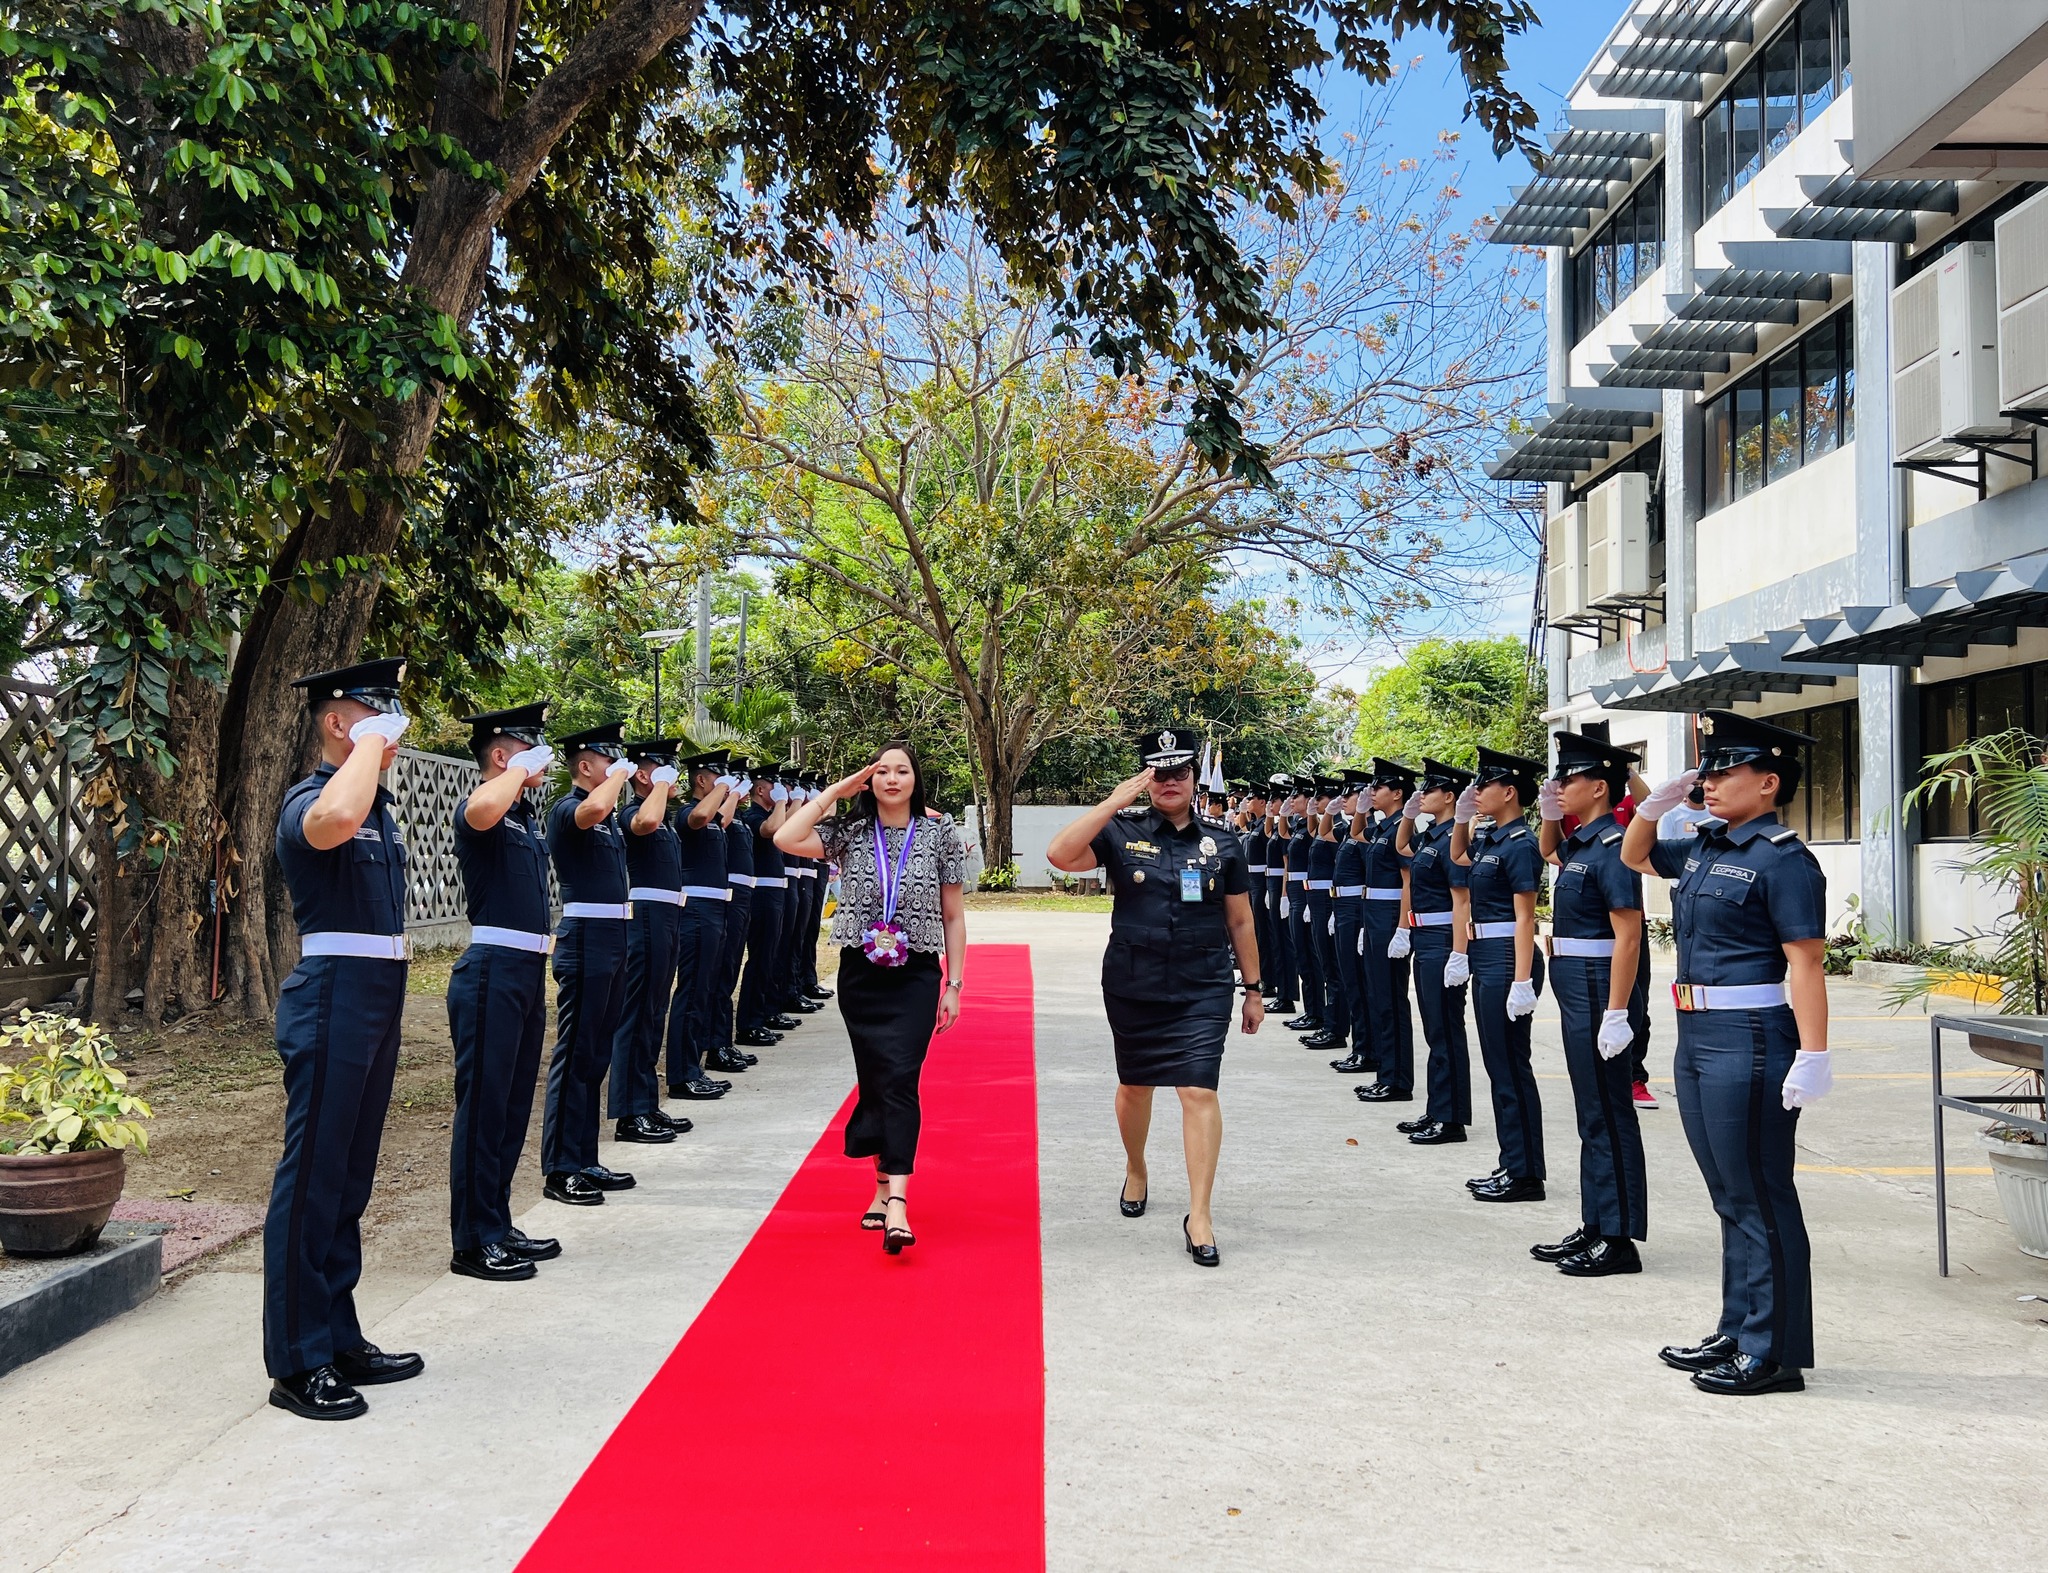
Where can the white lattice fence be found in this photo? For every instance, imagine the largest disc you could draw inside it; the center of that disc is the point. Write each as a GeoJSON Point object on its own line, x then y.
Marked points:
{"type": "Point", "coordinates": [46, 880]}
{"type": "Point", "coordinates": [426, 788]}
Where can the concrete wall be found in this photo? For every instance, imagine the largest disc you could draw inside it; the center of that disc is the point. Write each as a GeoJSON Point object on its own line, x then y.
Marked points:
{"type": "Point", "coordinates": [1920, 83]}
{"type": "Point", "coordinates": [1032, 828]}
{"type": "Point", "coordinates": [1794, 525]}
{"type": "Point", "coordinates": [2010, 524]}
{"type": "Point", "coordinates": [1948, 904]}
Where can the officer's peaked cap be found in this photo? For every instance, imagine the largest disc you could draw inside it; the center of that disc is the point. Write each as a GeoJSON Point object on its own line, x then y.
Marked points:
{"type": "Point", "coordinates": [1728, 740]}
{"type": "Point", "coordinates": [655, 750]}
{"type": "Point", "coordinates": [1167, 748]}
{"type": "Point", "coordinates": [1515, 770]}
{"type": "Point", "coordinates": [1392, 773]}
{"type": "Point", "coordinates": [1592, 756]}
{"type": "Point", "coordinates": [522, 724]}
{"type": "Point", "coordinates": [1440, 777]}
{"type": "Point", "coordinates": [605, 739]}
{"type": "Point", "coordinates": [372, 683]}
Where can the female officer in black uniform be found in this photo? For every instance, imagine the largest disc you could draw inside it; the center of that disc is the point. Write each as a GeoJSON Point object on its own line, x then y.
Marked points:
{"type": "Point", "coordinates": [1435, 920]}
{"type": "Point", "coordinates": [1597, 939]}
{"type": "Point", "coordinates": [1180, 909]}
{"type": "Point", "coordinates": [1750, 911]}
{"type": "Point", "coordinates": [1505, 871]}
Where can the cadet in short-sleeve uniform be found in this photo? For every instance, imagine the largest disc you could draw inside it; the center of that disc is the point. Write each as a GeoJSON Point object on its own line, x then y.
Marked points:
{"type": "Point", "coordinates": [1386, 977]}
{"type": "Point", "coordinates": [1279, 965]}
{"type": "Point", "coordinates": [1347, 908]}
{"type": "Point", "coordinates": [654, 876]}
{"type": "Point", "coordinates": [1742, 896]}
{"type": "Point", "coordinates": [1253, 839]}
{"type": "Point", "coordinates": [1505, 863]}
{"type": "Point", "coordinates": [700, 937]}
{"type": "Point", "coordinates": [1432, 876]}
{"type": "Point", "coordinates": [1330, 1006]}
{"type": "Point", "coordinates": [1308, 967]}
{"type": "Point", "coordinates": [740, 841]}
{"type": "Point", "coordinates": [758, 1004]}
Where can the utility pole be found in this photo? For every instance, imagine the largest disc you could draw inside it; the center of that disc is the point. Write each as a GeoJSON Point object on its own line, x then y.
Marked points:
{"type": "Point", "coordinates": [739, 680]}
{"type": "Point", "coordinates": [703, 646]}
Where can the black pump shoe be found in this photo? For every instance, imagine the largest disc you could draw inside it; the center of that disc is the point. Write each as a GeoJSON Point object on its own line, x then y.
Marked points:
{"type": "Point", "coordinates": [1129, 1208]}
{"type": "Point", "coordinates": [1204, 1255]}
{"type": "Point", "coordinates": [493, 1264]}
{"type": "Point", "coordinates": [1702, 1356]}
{"type": "Point", "coordinates": [520, 1243]}
{"type": "Point", "coordinates": [1438, 1134]}
{"type": "Point", "coordinates": [577, 1190]}
{"type": "Point", "coordinates": [318, 1394]}
{"type": "Point", "coordinates": [370, 1366]}
{"type": "Point", "coordinates": [1603, 1258]}
{"type": "Point", "coordinates": [1570, 1245]}
{"type": "Point", "coordinates": [1747, 1375]}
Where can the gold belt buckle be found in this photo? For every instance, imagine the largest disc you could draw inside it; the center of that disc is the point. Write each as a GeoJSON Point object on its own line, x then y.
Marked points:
{"type": "Point", "coordinates": [1681, 996]}
{"type": "Point", "coordinates": [407, 938]}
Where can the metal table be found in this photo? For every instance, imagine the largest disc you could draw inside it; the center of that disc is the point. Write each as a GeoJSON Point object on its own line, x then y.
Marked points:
{"type": "Point", "coordinates": [2018, 1041]}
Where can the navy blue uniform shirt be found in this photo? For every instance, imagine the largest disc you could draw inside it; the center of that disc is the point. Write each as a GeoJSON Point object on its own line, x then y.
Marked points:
{"type": "Point", "coordinates": [767, 855]}
{"type": "Point", "coordinates": [739, 847]}
{"type": "Point", "coordinates": [1298, 846]}
{"type": "Point", "coordinates": [653, 861]}
{"type": "Point", "coordinates": [1505, 863]}
{"type": "Point", "coordinates": [1593, 882]}
{"type": "Point", "coordinates": [1742, 896]}
{"type": "Point", "coordinates": [504, 869]}
{"type": "Point", "coordinates": [1351, 863]}
{"type": "Point", "coordinates": [1322, 859]}
{"type": "Point", "coordinates": [1162, 947]}
{"type": "Point", "coordinates": [1255, 852]}
{"type": "Point", "coordinates": [1383, 866]}
{"type": "Point", "coordinates": [702, 851]}
{"type": "Point", "coordinates": [1432, 875]}
{"type": "Point", "coordinates": [355, 888]}
{"type": "Point", "coordinates": [591, 864]}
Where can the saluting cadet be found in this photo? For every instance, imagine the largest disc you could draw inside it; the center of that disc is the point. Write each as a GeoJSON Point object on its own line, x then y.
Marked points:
{"type": "Point", "coordinates": [700, 930]}
{"type": "Point", "coordinates": [1386, 947]}
{"type": "Point", "coordinates": [1280, 974]}
{"type": "Point", "coordinates": [1330, 1007]}
{"type": "Point", "coordinates": [1749, 910]}
{"type": "Point", "coordinates": [1254, 839]}
{"type": "Point", "coordinates": [590, 963]}
{"type": "Point", "coordinates": [1436, 917]}
{"type": "Point", "coordinates": [337, 1033]}
{"type": "Point", "coordinates": [497, 994]}
{"type": "Point", "coordinates": [1596, 936]}
{"type": "Point", "coordinates": [1308, 966]}
{"type": "Point", "coordinates": [654, 876]}
{"type": "Point", "coordinates": [797, 927]}
{"type": "Point", "coordinates": [1505, 873]}
{"type": "Point", "coordinates": [1347, 908]}
{"type": "Point", "coordinates": [807, 947]}
{"type": "Point", "coordinates": [759, 1022]}
{"type": "Point", "coordinates": [739, 918]}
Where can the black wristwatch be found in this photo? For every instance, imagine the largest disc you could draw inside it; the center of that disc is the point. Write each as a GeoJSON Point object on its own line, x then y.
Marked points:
{"type": "Point", "coordinates": [1255, 988]}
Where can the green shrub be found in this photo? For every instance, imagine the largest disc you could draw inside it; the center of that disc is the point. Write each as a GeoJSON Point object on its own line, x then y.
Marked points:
{"type": "Point", "coordinates": [64, 1089]}
{"type": "Point", "coordinates": [1002, 877]}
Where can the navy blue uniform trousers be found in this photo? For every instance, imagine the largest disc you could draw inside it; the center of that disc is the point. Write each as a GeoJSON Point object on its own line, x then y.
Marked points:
{"type": "Point", "coordinates": [1335, 1005]}
{"type": "Point", "coordinates": [796, 906]}
{"type": "Point", "coordinates": [764, 949]}
{"type": "Point", "coordinates": [1443, 1029]}
{"type": "Point", "coordinates": [1730, 1070]}
{"type": "Point", "coordinates": [1613, 1187]}
{"type": "Point", "coordinates": [1386, 998]}
{"type": "Point", "coordinates": [1639, 1017]}
{"type": "Point", "coordinates": [1349, 966]}
{"type": "Point", "coordinates": [337, 1033]}
{"type": "Point", "coordinates": [739, 923]}
{"type": "Point", "coordinates": [700, 939]}
{"type": "Point", "coordinates": [643, 1014]}
{"type": "Point", "coordinates": [1286, 981]}
{"type": "Point", "coordinates": [1262, 935]}
{"type": "Point", "coordinates": [1504, 1047]}
{"type": "Point", "coordinates": [1308, 959]}
{"type": "Point", "coordinates": [497, 1017]}
{"type": "Point", "coordinates": [590, 986]}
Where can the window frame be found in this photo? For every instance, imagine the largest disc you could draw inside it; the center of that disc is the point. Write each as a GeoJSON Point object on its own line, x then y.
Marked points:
{"type": "Point", "coordinates": [1718, 186]}
{"type": "Point", "coordinates": [1943, 696]}
{"type": "Point", "coordinates": [1724, 476]}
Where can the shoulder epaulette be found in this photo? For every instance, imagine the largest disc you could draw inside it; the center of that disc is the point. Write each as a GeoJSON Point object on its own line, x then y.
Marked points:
{"type": "Point", "coordinates": [1787, 834]}
{"type": "Point", "coordinates": [1609, 837]}
{"type": "Point", "coordinates": [1519, 830]}
{"type": "Point", "coordinates": [1135, 811]}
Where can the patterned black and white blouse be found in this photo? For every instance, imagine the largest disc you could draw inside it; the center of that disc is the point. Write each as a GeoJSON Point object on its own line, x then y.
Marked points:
{"type": "Point", "coordinates": [936, 858]}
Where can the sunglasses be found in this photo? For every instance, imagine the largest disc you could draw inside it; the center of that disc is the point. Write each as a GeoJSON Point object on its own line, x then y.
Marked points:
{"type": "Point", "coordinates": [1173, 772]}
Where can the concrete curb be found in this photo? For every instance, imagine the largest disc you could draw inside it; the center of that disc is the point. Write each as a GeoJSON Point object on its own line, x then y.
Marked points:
{"type": "Point", "coordinates": [45, 1305]}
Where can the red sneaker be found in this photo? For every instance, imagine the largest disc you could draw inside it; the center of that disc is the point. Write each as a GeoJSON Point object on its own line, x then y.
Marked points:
{"type": "Point", "coordinates": [1645, 1099]}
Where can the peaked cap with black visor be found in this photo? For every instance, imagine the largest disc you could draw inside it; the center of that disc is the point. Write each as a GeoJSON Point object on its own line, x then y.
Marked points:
{"type": "Point", "coordinates": [1728, 740]}
{"type": "Point", "coordinates": [1578, 755]}
{"type": "Point", "coordinates": [525, 725]}
{"type": "Point", "coordinates": [371, 683]}
{"type": "Point", "coordinates": [1167, 749]}
{"type": "Point", "coordinates": [1515, 770]}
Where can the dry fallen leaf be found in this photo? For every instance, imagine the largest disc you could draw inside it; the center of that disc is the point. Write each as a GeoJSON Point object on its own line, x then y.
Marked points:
{"type": "Point", "coordinates": [1232, 1511]}
{"type": "Point", "coordinates": [182, 1196]}
{"type": "Point", "coordinates": [1351, 1141]}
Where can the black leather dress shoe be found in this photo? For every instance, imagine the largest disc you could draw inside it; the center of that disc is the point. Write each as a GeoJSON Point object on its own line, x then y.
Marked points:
{"type": "Point", "coordinates": [1521, 1190]}
{"type": "Point", "coordinates": [1486, 1179]}
{"type": "Point", "coordinates": [1303, 1024]}
{"type": "Point", "coordinates": [1702, 1356]}
{"type": "Point", "coordinates": [1385, 1092]}
{"type": "Point", "coordinates": [318, 1394]}
{"type": "Point", "coordinates": [680, 1124]}
{"type": "Point", "coordinates": [1280, 1007]}
{"type": "Point", "coordinates": [731, 1061]}
{"type": "Point", "coordinates": [1353, 1064]}
{"type": "Point", "coordinates": [493, 1263]}
{"type": "Point", "coordinates": [701, 1089]}
{"type": "Point", "coordinates": [370, 1366]}
{"type": "Point", "coordinates": [609, 1179]}
{"type": "Point", "coordinates": [747, 1059]}
{"type": "Point", "coordinates": [520, 1243]}
{"type": "Point", "coordinates": [643, 1128]}
{"type": "Point", "coordinates": [1747, 1375]}
{"type": "Point", "coordinates": [1203, 1255]}
{"type": "Point", "coordinates": [1413, 1127]}
{"type": "Point", "coordinates": [1570, 1245]}
{"type": "Point", "coordinates": [575, 1189]}
{"type": "Point", "coordinates": [819, 994]}
{"type": "Point", "coordinates": [1324, 1040]}
{"type": "Point", "coordinates": [782, 1023]}
{"type": "Point", "coordinates": [1438, 1133]}
{"type": "Point", "coordinates": [758, 1038]}
{"type": "Point", "coordinates": [1603, 1258]}
{"type": "Point", "coordinates": [802, 1007]}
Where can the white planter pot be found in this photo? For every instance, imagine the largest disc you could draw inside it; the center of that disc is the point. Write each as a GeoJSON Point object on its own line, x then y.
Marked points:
{"type": "Point", "coordinates": [2020, 1171]}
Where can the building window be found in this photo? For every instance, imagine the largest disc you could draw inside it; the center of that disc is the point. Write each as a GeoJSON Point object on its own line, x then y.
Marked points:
{"type": "Point", "coordinates": [1622, 254]}
{"type": "Point", "coordinates": [1787, 412]}
{"type": "Point", "coordinates": [1780, 90]}
{"type": "Point", "coordinates": [1955, 712]}
{"type": "Point", "coordinates": [1825, 807]}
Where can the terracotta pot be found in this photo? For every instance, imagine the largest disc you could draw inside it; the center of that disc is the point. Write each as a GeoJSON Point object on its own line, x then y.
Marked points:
{"type": "Point", "coordinates": [56, 1203]}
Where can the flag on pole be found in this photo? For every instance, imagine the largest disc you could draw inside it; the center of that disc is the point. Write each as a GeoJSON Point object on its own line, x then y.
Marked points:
{"type": "Point", "coordinates": [1202, 777]}
{"type": "Point", "coordinates": [1217, 783]}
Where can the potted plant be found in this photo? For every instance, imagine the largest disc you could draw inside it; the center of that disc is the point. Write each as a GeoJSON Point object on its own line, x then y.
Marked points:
{"type": "Point", "coordinates": [66, 1122]}
{"type": "Point", "coordinates": [2006, 777]}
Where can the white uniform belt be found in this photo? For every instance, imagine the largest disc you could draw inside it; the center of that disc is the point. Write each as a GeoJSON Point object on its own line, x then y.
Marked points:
{"type": "Point", "coordinates": [1494, 930]}
{"type": "Point", "coordinates": [1255, 868]}
{"type": "Point", "coordinates": [597, 909]}
{"type": "Point", "coordinates": [1431, 920]}
{"type": "Point", "coordinates": [803, 873]}
{"type": "Point", "coordinates": [1297, 877]}
{"type": "Point", "coordinates": [374, 947]}
{"type": "Point", "coordinates": [741, 879]}
{"type": "Point", "coordinates": [770, 882]}
{"type": "Point", "coordinates": [1319, 884]}
{"type": "Point", "coordinates": [1389, 893]}
{"type": "Point", "coordinates": [668, 898]}
{"type": "Point", "coordinates": [1560, 946]}
{"type": "Point", "coordinates": [511, 939]}
{"type": "Point", "coordinates": [1347, 890]}
{"type": "Point", "coordinates": [709, 892]}
{"type": "Point", "coordinates": [1729, 996]}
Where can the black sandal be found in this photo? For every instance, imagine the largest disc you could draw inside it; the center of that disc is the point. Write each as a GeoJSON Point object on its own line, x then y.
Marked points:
{"type": "Point", "coordinates": [895, 1239]}
{"type": "Point", "coordinates": [871, 1219]}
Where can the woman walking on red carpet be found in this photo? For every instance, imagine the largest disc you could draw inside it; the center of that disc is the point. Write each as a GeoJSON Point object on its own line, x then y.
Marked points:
{"type": "Point", "coordinates": [900, 868]}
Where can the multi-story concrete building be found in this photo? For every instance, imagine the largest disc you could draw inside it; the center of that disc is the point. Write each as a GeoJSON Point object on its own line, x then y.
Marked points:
{"type": "Point", "coordinates": [1798, 355]}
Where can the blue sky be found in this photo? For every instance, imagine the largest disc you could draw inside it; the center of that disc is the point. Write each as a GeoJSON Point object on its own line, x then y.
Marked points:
{"type": "Point", "coordinates": [1543, 64]}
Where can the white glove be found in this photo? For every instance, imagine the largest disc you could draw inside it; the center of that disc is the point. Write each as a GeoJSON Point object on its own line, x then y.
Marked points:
{"type": "Point", "coordinates": [1283, 906]}
{"type": "Point", "coordinates": [778, 793]}
{"type": "Point", "coordinates": [1662, 800]}
{"type": "Point", "coordinates": [1550, 801]}
{"type": "Point", "coordinates": [1399, 946]}
{"type": "Point", "coordinates": [1457, 970]}
{"type": "Point", "coordinates": [729, 782]}
{"type": "Point", "coordinates": [389, 727]}
{"type": "Point", "coordinates": [534, 761]}
{"type": "Point", "coordinates": [1615, 1034]}
{"type": "Point", "coordinates": [664, 775]}
{"type": "Point", "coordinates": [1330, 925]}
{"type": "Point", "coordinates": [1361, 941]}
{"type": "Point", "coordinates": [1810, 1077]}
{"type": "Point", "coordinates": [619, 767]}
{"type": "Point", "coordinates": [1521, 999]}
{"type": "Point", "coordinates": [1412, 809]}
{"type": "Point", "coordinates": [1468, 805]}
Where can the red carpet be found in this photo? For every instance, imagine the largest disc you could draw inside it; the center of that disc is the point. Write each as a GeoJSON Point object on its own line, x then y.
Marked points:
{"type": "Point", "coordinates": [835, 1409]}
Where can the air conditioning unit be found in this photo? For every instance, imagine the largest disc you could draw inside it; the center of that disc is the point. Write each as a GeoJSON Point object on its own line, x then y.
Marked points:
{"type": "Point", "coordinates": [1564, 554]}
{"type": "Point", "coordinates": [1945, 356]}
{"type": "Point", "coordinates": [1618, 540]}
{"type": "Point", "coordinates": [2023, 306]}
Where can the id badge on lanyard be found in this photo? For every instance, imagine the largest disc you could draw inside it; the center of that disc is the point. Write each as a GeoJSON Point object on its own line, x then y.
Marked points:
{"type": "Point", "coordinates": [1191, 884]}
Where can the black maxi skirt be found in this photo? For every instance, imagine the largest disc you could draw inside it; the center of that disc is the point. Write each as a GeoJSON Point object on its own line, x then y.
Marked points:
{"type": "Point", "coordinates": [1176, 1043]}
{"type": "Point", "coordinates": [890, 1014]}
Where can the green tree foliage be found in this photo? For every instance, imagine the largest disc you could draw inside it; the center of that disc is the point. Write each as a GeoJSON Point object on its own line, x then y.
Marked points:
{"type": "Point", "coordinates": [1449, 696]}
